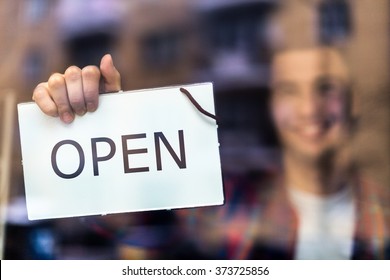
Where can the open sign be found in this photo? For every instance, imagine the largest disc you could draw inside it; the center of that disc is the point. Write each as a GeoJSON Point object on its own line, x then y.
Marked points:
{"type": "Point", "coordinates": [181, 161]}
{"type": "Point", "coordinates": [141, 150]}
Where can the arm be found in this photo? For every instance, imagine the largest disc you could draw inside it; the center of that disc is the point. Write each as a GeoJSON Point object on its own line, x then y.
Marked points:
{"type": "Point", "coordinates": [77, 90]}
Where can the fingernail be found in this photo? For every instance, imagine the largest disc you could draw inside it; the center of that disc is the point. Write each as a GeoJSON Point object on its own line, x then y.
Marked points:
{"type": "Point", "coordinates": [81, 112]}
{"type": "Point", "coordinates": [91, 107]}
{"type": "Point", "coordinates": [67, 117]}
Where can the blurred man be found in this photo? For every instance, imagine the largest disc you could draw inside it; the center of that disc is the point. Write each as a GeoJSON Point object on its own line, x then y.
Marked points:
{"type": "Point", "coordinates": [318, 208]}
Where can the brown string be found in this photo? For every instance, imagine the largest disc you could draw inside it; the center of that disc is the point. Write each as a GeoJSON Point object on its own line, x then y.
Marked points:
{"type": "Point", "coordinates": [196, 104]}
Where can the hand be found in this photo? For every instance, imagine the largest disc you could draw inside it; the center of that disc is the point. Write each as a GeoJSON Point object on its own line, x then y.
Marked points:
{"type": "Point", "coordinates": [77, 90]}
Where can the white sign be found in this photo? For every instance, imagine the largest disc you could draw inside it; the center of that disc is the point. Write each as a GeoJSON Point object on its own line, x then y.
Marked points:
{"type": "Point", "coordinates": [141, 150]}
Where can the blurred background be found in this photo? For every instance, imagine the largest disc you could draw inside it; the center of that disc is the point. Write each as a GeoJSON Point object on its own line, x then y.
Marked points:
{"type": "Point", "coordinates": [167, 42]}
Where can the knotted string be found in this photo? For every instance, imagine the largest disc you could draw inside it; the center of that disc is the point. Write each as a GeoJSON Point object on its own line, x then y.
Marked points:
{"type": "Point", "coordinates": [196, 104]}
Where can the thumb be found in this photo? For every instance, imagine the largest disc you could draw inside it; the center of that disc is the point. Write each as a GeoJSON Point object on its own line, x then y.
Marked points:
{"type": "Point", "coordinates": [111, 78]}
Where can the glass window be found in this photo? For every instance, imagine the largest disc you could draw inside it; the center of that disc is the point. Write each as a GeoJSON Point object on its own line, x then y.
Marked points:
{"type": "Point", "coordinates": [238, 29]}
{"type": "Point", "coordinates": [35, 10]}
{"type": "Point", "coordinates": [161, 50]}
{"type": "Point", "coordinates": [334, 20]}
{"type": "Point", "coordinates": [33, 66]}
{"type": "Point", "coordinates": [88, 49]}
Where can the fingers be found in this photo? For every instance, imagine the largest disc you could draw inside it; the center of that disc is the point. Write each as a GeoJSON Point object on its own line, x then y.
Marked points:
{"type": "Point", "coordinates": [58, 93]}
{"type": "Point", "coordinates": [110, 75]}
{"type": "Point", "coordinates": [74, 89]}
{"type": "Point", "coordinates": [42, 97]}
{"type": "Point", "coordinates": [77, 90]}
{"type": "Point", "coordinates": [90, 80]}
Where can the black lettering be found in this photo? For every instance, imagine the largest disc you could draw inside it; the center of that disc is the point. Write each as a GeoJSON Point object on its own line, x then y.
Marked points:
{"type": "Point", "coordinates": [95, 158]}
{"type": "Point", "coordinates": [54, 159]}
{"type": "Point", "coordinates": [181, 162]}
{"type": "Point", "coordinates": [127, 152]}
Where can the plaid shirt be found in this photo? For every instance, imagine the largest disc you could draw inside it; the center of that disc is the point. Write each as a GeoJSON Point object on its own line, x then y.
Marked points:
{"type": "Point", "coordinates": [278, 230]}
{"type": "Point", "coordinates": [257, 221]}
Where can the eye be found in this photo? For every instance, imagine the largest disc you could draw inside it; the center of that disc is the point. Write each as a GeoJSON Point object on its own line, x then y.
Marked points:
{"type": "Point", "coordinates": [328, 87]}
{"type": "Point", "coordinates": [325, 87]}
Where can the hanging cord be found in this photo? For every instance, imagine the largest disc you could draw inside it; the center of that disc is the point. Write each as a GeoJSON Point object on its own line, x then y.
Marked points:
{"type": "Point", "coordinates": [196, 104]}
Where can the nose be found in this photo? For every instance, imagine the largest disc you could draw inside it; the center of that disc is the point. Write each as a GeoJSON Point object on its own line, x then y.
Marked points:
{"type": "Point", "coordinates": [310, 105]}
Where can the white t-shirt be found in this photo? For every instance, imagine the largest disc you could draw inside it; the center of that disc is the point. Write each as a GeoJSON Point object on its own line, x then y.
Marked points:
{"type": "Point", "coordinates": [326, 224]}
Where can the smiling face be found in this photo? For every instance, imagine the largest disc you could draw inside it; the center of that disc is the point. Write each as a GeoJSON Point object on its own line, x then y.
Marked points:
{"type": "Point", "coordinates": [309, 102]}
